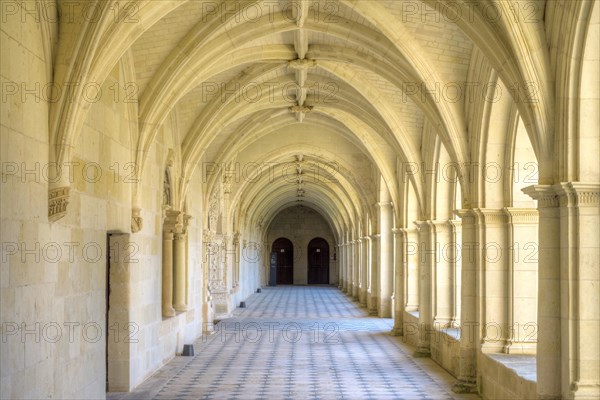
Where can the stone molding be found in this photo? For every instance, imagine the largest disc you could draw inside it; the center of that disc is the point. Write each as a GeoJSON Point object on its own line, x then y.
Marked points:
{"type": "Point", "coordinates": [58, 200]}
{"type": "Point", "coordinates": [565, 194]}
{"type": "Point", "coordinates": [521, 215]}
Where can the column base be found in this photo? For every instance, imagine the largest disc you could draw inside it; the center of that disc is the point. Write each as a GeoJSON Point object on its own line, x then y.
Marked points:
{"type": "Point", "coordinates": [464, 386]}
{"type": "Point", "coordinates": [181, 308]}
{"type": "Point", "coordinates": [422, 352]}
{"type": "Point", "coordinates": [396, 331]}
{"type": "Point", "coordinates": [168, 312]}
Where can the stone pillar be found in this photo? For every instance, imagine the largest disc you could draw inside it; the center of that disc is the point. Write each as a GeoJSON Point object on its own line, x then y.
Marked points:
{"type": "Point", "coordinates": [427, 253]}
{"type": "Point", "coordinates": [492, 285]}
{"type": "Point", "coordinates": [167, 273]}
{"type": "Point", "coordinates": [364, 271]}
{"type": "Point", "coordinates": [179, 279]}
{"type": "Point", "coordinates": [349, 270]}
{"type": "Point", "coordinates": [469, 336]}
{"type": "Point", "coordinates": [568, 355]}
{"type": "Point", "coordinates": [410, 253]}
{"type": "Point", "coordinates": [522, 255]}
{"type": "Point", "coordinates": [356, 259]}
{"type": "Point", "coordinates": [454, 254]}
{"type": "Point", "coordinates": [373, 300]}
{"type": "Point", "coordinates": [345, 267]}
{"type": "Point", "coordinates": [386, 259]}
{"type": "Point", "coordinates": [340, 265]}
{"type": "Point", "coordinates": [443, 274]}
{"type": "Point", "coordinates": [399, 281]}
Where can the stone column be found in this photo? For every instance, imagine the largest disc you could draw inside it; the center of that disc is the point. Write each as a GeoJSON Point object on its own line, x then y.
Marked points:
{"type": "Point", "coordinates": [492, 285]}
{"type": "Point", "coordinates": [454, 254]}
{"type": "Point", "coordinates": [349, 272]}
{"type": "Point", "coordinates": [386, 259]}
{"type": "Point", "coordinates": [469, 332]}
{"type": "Point", "coordinates": [171, 226]}
{"type": "Point", "coordinates": [179, 271]}
{"type": "Point", "coordinates": [427, 253]}
{"type": "Point", "coordinates": [410, 253]}
{"type": "Point", "coordinates": [356, 259]}
{"type": "Point", "coordinates": [443, 274]}
{"type": "Point", "coordinates": [342, 266]}
{"type": "Point", "coordinates": [364, 271]}
{"type": "Point", "coordinates": [522, 255]}
{"type": "Point", "coordinates": [373, 300]}
{"type": "Point", "coordinates": [568, 355]}
{"type": "Point", "coordinates": [399, 281]}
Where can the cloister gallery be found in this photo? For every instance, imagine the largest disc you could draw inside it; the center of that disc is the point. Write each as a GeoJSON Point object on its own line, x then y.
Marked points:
{"type": "Point", "coordinates": [418, 177]}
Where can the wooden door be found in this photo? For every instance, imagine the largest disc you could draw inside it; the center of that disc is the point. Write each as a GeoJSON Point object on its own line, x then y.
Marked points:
{"type": "Point", "coordinates": [318, 261]}
{"type": "Point", "coordinates": [285, 261]}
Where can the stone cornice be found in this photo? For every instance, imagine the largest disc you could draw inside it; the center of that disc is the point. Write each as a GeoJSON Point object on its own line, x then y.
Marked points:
{"type": "Point", "coordinates": [521, 215]}
{"type": "Point", "coordinates": [490, 215]}
{"type": "Point", "coordinates": [565, 194]}
{"type": "Point", "coordinates": [571, 194]}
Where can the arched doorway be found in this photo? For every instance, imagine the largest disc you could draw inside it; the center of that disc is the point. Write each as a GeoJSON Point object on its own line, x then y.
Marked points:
{"type": "Point", "coordinates": [318, 261]}
{"type": "Point", "coordinates": [284, 249]}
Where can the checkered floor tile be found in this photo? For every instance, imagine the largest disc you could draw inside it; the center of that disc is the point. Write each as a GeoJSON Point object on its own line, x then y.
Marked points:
{"type": "Point", "coordinates": [299, 342]}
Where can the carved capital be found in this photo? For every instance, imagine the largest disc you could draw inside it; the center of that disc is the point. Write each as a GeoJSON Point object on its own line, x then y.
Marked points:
{"type": "Point", "coordinates": [173, 221]}
{"type": "Point", "coordinates": [58, 199]}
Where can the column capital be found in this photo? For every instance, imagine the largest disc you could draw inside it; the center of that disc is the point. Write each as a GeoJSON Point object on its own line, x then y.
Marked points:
{"type": "Point", "coordinates": [173, 221]}
{"type": "Point", "coordinates": [544, 194]}
{"type": "Point", "coordinates": [521, 215]}
{"type": "Point", "coordinates": [578, 194]}
{"type": "Point", "coordinates": [382, 204]}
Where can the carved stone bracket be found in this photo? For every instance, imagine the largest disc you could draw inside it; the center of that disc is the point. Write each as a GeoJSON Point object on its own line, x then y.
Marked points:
{"type": "Point", "coordinates": [137, 222]}
{"type": "Point", "coordinates": [58, 199]}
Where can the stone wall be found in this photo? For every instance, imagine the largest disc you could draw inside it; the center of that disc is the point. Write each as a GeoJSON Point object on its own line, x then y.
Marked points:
{"type": "Point", "coordinates": [300, 225]}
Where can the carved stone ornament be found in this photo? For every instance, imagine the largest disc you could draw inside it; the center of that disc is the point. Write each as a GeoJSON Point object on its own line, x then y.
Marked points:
{"type": "Point", "coordinates": [58, 199]}
{"type": "Point", "coordinates": [301, 64]}
{"type": "Point", "coordinates": [301, 109]}
{"type": "Point", "coordinates": [137, 222]}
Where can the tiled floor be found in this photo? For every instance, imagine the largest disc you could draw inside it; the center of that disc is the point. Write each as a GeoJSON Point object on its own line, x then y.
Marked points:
{"type": "Point", "coordinates": [299, 342]}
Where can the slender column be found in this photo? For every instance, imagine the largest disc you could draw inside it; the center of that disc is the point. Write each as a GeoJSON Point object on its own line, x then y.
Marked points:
{"type": "Point", "coordinates": [454, 255]}
{"type": "Point", "coordinates": [341, 266]}
{"type": "Point", "coordinates": [364, 272]}
{"type": "Point", "coordinates": [443, 272]}
{"type": "Point", "coordinates": [179, 271]}
{"type": "Point", "coordinates": [399, 281]}
{"type": "Point", "coordinates": [171, 226]}
{"type": "Point", "coordinates": [492, 284]}
{"type": "Point", "coordinates": [411, 255]}
{"type": "Point", "coordinates": [522, 228]}
{"type": "Point", "coordinates": [356, 247]}
{"type": "Point", "coordinates": [374, 252]}
{"type": "Point", "coordinates": [427, 253]}
{"type": "Point", "coordinates": [350, 269]}
{"type": "Point", "coordinates": [386, 259]}
{"type": "Point", "coordinates": [469, 336]}
{"type": "Point", "coordinates": [346, 267]}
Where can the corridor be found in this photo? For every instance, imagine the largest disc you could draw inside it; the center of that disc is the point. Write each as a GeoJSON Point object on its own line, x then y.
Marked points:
{"type": "Point", "coordinates": [299, 342]}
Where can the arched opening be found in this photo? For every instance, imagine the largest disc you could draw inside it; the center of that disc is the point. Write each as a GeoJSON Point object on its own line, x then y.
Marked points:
{"type": "Point", "coordinates": [284, 272]}
{"type": "Point", "coordinates": [318, 261]}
